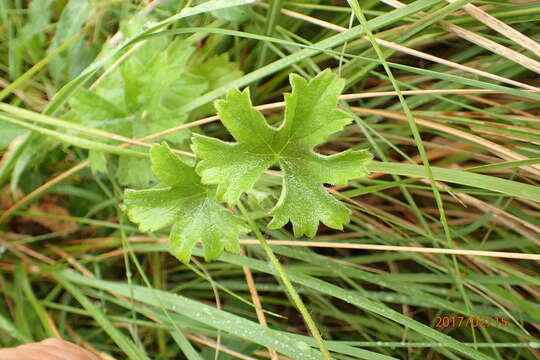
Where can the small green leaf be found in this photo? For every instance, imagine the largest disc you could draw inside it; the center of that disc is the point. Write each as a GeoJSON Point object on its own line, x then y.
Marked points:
{"type": "Point", "coordinates": [89, 108]}
{"type": "Point", "coordinates": [186, 204]}
{"type": "Point", "coordinates": [77, 56]}
{"type": "Point", "coordinates": [134, 172]}
{"type": "Point", "coordinates": [310, 117]}
{"type": "Point", "coordinates": [98, 162]}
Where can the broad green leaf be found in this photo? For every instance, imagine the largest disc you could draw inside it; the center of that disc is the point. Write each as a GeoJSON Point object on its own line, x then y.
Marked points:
{"type": "Point", "coordinates": [186, 204]}
{"type": "Point", "coordinates": [134, 171]}
{"type": "Point", "coordinates": [216, 71]}
{"type": "Point", "coordinates": [91, 109]}
{"type": "Point", "coordinates": [149, 80]}
{"type": "Point", "coordinates": [151, 72]}
{"type": "Point", "coordinates": [9, 133]}
{"type": "Point", "coordinates": [77, 56]}
{"type": "Point", "coordinates": [310, 117]}
{"type": "Point", "coordinates": [143, 96]}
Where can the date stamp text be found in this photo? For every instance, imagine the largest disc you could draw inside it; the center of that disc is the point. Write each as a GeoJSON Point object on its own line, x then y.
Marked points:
{"type": "Point", "coordinates": [470, 321]}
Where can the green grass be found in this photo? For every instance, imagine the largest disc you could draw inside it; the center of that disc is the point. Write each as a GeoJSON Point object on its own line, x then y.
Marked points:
{"type": "Point", "coordinates": [461, 171]}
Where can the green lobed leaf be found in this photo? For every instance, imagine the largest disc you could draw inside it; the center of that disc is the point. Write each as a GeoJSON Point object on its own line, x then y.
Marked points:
{"type": "Point", "coordinates": [186, 204]}
{"type": "Point", "coordinates": [216, 71]}
{"type": "Point", "coordinates": [155, 82]}
{"type": "Point", "coordinates": [310, 117]}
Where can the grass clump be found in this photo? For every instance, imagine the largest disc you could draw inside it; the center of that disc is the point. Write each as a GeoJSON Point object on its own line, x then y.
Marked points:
{"type": "Point", "coordinates": [128, 141]}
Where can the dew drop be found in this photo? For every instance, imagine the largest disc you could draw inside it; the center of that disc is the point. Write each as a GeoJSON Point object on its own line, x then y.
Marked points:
{"type": "Point", "coordinates": [302, 345]}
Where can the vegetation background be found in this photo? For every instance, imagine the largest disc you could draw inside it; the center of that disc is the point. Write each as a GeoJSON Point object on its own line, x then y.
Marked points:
{"type": "Point", "coordinates": [444, 94]}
